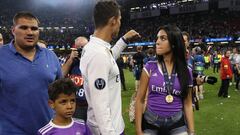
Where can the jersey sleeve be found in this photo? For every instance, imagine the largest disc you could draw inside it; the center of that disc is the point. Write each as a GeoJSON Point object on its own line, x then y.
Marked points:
{"type": "Point", "coordinates": [190, 84]}
{"type": "Point", "coordinates": [88, 131]}
{"type": "Point", "coordinates": [118, 48]}
{"type": "Point", "coordinates": [147, 68]}
{"type": "Point", "coordinates": [98, 71]}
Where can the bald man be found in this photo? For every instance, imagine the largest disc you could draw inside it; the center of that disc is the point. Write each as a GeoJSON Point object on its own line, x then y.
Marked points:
{"type": "Point", "coordinates": [1, 39]}
{"type": "Point", "coordinates": [80, 42]}
{"type": "Point", "coordinates": [42, 43]}
{"type": "Point", "coordinates": [71, 70]}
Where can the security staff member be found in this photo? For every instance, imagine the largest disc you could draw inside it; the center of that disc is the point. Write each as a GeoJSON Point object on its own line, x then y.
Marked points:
{"type": "Point", "coordinates": [100, 72]}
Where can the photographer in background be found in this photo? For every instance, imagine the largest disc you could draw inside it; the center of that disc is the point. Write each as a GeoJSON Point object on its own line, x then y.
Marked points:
{"type": "Point", "coordinates": [198, 67]}
{"type": "Point", "coordinates": [74, 59]}
{"type": "Point", "coordinates": [138, 65]}
{"type": "Point", "coordinates": [71, 70]}
{"type": "Point", "coordinates": [197, 79]}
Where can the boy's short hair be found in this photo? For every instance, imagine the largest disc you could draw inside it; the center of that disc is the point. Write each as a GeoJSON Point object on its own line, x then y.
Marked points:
{"type": "Point", "coordinates": [64, 85]}
{"type": "Point", "coordinates": [150, 51]}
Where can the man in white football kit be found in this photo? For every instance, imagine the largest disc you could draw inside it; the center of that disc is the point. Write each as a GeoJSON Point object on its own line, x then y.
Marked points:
{"type": "Point", "coordinates": [100, 72]}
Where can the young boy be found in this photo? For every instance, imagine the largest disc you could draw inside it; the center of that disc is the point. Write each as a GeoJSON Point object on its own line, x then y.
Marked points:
{"type": "Point", "coordinates": [62, 99]}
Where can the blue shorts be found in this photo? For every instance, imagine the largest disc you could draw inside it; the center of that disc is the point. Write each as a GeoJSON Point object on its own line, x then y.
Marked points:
{"type": "Point", "coordinates": [154, 125]}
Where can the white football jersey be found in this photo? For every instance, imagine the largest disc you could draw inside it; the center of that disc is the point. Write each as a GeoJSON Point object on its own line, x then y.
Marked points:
{"type": "Point", "coordinates": [102, 86]}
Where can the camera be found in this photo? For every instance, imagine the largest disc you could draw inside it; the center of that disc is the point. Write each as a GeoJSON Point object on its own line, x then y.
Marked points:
{"type": "Point", "coordinates": [206, 79]}
{"type": "Point", "coordinates": [79, 50]}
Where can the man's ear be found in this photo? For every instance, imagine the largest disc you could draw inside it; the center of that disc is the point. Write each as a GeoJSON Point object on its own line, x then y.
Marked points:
{"type": "Point", "coordinates": [112, 21]}
{"type": "Point", "coordinates": [51, 103]}
{"type": "Point", "coordinates": [13, 30]}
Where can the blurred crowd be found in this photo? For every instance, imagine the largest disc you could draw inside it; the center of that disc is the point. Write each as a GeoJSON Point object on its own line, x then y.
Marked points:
{"type": "Point", "coordinates": [202, 25]}
{"type": "Point", "coordinates": [211, 24]}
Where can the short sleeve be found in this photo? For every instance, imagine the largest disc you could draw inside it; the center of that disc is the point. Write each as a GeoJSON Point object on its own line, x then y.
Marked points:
{"type": "Point", "coordinates": [190, 84]}
{"type": "Point", "coordinates": [88, 131]}
{"type": "Point", "coordinates": [147, 68]}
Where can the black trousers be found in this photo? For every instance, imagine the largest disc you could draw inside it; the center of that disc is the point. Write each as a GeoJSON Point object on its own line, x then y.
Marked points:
{"type": "Point", "coordinates": [223, 91]}
{"type": "Point", "coordinates": [237, 76]}
{"type": "Point", "coordinates": [122, 78]}
{"type": "Point", "coordinates": [206, 65]}
{"type": "Point", "coordinates": [215, 67]}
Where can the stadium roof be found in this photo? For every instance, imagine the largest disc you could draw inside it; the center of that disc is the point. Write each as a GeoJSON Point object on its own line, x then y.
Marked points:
{"type": "Point", "coordinates": [130, 3]}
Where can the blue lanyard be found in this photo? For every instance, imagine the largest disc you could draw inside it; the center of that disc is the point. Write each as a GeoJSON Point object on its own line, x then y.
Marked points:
{"type": "Point", "coordinates": [168, 82]}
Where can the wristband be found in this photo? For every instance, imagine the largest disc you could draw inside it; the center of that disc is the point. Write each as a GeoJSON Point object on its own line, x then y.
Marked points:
{"type": "Point", "coordinates": [124, 40]}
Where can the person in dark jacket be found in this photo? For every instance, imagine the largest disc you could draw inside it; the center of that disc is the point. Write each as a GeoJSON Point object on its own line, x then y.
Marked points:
{"type": "Point", "coordinates": [121, 66]}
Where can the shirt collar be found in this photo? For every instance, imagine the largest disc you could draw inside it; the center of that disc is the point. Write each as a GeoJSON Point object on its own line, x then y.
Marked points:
{"type": "Point", "coordinates": [100, 41]}
{"type": "Point", "coordinates": [13, 49]}
{"type": "Point", "coordinates": [61, 127]}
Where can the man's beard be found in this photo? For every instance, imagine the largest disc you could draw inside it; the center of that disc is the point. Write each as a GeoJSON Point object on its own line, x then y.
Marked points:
{"type": "Point", "coordinates": [28, 47]}
{"type": "Point", "coordinates": [115, 34]}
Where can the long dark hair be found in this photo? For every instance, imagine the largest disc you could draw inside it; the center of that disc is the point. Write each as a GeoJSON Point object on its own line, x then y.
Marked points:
{"type": "Point", "coordinates": [176, 43]}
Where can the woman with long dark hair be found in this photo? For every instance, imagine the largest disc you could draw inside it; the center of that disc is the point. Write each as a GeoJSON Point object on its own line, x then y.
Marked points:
{"type": "Point", "coordinates": [169, 82]}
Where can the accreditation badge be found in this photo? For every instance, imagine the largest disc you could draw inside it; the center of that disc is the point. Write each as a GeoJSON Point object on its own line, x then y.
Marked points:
{"type": "Point", "coordinates": [169, 99]}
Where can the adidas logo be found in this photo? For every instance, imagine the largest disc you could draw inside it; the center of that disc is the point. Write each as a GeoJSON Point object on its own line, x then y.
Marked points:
{"type": "Point", "coordinates": [154, 74]}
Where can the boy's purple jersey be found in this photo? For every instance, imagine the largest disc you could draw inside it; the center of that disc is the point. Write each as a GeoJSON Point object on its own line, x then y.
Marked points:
{"type": "Point", "coordinates": [77, 127]}
{"type": "Point", "coordinates": [158, 92]}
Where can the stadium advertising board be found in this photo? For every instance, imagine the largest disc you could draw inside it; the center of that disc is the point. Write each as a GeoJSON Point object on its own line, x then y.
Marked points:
{"type": "Point", "coordinates": [144, 14]}
{"type": "Point", "coordinates": [189, 8]}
